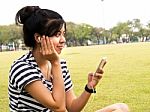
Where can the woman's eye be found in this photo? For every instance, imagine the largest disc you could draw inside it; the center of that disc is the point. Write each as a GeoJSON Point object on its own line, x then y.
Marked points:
{"type": "Point", "coordinates": [64, 33]}
{"type": "Point", "coordinates": [58, 34]}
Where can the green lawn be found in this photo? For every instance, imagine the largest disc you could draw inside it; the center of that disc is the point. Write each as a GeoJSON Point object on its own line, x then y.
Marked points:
{"type": "Point", "coordinates": [126, 77]}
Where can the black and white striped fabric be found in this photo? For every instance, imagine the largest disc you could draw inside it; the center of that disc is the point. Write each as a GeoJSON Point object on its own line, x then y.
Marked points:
{"type": "Point", "coordinates": [24, 71]}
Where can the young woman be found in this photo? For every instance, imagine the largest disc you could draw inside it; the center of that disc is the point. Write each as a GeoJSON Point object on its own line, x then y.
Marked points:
{"type": "Point", "coordinates": [39, 80]}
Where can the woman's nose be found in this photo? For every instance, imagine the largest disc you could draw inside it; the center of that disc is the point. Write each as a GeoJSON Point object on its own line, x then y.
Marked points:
{"type": "Point", "coordinates": [62, 39]}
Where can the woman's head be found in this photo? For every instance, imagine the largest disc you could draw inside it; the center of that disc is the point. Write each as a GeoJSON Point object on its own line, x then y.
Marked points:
{"type": "Point", "coordinates": [40, 21]}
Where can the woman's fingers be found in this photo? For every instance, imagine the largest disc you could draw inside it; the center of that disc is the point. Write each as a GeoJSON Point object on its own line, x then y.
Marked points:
{"type": "Point", "coordinates": [95, 78]}
{"type": "Point", "coordinates": [98, 75]}
{"type": "Point", "coordinates": [43, 45]}
{"type": "Point", "coordinates": [46, 45]}
{"type": "Point", "coordinates": [90, 76]}
{"type": "Point", "coordinates": [49, 45]}
{"type": "Point", "coordinates": [100, 70]}
{"type": "Point", "coordinates": [47, 49]}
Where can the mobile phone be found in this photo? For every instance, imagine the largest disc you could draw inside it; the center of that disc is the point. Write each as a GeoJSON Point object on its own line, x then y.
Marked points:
{"type": "Point", "coordinates": [101, 64]}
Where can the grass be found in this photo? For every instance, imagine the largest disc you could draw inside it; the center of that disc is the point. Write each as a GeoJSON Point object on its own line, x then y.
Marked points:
{"type": "Point", "coordinates": [126, 77]}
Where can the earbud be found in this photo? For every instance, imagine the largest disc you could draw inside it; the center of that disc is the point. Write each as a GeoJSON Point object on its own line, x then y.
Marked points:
{"type": "Point", "coordinates": [39, 39]}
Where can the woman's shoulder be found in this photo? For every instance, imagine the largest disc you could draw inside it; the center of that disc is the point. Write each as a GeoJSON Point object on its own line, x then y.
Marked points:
{"type": "Point", "coordinates": [24, 58]}
{"type": "Point", "coordinates": [23, 61]}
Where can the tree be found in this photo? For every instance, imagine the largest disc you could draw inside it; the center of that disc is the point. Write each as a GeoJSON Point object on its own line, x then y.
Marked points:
{"type": "Point", "coordinates": [70, 34]}
{"type": "Point", "coordinates": [98, 33]}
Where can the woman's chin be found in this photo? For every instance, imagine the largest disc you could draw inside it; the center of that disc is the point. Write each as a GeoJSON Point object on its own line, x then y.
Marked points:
{"type": "Point", "coordinates": [59, 51]}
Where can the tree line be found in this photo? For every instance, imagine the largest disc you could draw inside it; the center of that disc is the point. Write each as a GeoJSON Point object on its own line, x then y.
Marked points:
{"type": "Point", "coordinates": [85, 34]}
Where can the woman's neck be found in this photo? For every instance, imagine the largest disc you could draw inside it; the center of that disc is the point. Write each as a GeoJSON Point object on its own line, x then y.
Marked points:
{"type": "Point", "coordinates": [43, 64]}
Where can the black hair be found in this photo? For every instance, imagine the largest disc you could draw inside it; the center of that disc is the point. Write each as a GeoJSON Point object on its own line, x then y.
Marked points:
{"type": "Point", "coordinates": [36, 20]}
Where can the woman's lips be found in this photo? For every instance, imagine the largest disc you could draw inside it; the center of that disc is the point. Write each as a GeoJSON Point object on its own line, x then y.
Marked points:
{"type": "Point", "coordinates": [60, 47]}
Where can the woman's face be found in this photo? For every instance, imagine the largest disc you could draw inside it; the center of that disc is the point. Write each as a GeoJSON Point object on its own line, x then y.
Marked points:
{"type": "Point", "coordinates": [59, 40]}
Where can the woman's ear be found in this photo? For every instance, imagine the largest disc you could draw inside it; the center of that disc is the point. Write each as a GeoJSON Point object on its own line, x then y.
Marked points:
{"type": "Point", "coordinates": [37, 37]}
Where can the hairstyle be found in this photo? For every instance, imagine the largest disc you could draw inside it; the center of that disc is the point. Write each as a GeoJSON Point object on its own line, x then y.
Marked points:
{"type": "Point", "coordinates": [36, 20]}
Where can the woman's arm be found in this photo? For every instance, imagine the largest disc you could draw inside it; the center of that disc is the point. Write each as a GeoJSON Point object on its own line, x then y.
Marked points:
{"type": "Point", "coordinates": [56, 99]}
{"type": "Point", "coordinates": [40, 93]}
{"type": "Point", "coordinates": [76, 104]}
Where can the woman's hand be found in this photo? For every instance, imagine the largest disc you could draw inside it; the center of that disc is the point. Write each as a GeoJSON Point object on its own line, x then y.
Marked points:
{"type": "Point", "coordinates": [47, 49]}
{"type": "Point", "coordinates": [94, 78]}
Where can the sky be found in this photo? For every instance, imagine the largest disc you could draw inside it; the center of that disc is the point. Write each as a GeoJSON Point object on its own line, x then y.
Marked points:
{"type": "Point", "coordinates": [98, 13]}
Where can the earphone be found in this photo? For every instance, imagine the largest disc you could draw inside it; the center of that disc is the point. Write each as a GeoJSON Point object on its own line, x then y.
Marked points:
{"type": "Point", "coordinates": [39, 39]}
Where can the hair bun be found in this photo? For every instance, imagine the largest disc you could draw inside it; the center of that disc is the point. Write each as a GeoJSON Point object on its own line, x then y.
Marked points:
{"type": "Point", "coordinates": [24, 13]}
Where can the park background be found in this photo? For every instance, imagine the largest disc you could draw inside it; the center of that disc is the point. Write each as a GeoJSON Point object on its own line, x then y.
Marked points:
{"type": "Point", "coordinates": [120, 31]}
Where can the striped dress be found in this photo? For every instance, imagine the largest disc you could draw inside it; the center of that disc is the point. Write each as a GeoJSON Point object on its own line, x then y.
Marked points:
{"type": "Point", "coordinates": [24, 71]}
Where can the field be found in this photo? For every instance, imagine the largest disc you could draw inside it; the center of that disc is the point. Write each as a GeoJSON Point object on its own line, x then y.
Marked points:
{"type": "Point", "coordinates": [126, 78]}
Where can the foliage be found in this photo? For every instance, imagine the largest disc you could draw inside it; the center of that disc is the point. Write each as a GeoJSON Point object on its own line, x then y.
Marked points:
{"type": "Point", "coordinates": [10, 33]}
{"type": "Point", "coordinates": [79, 34]}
